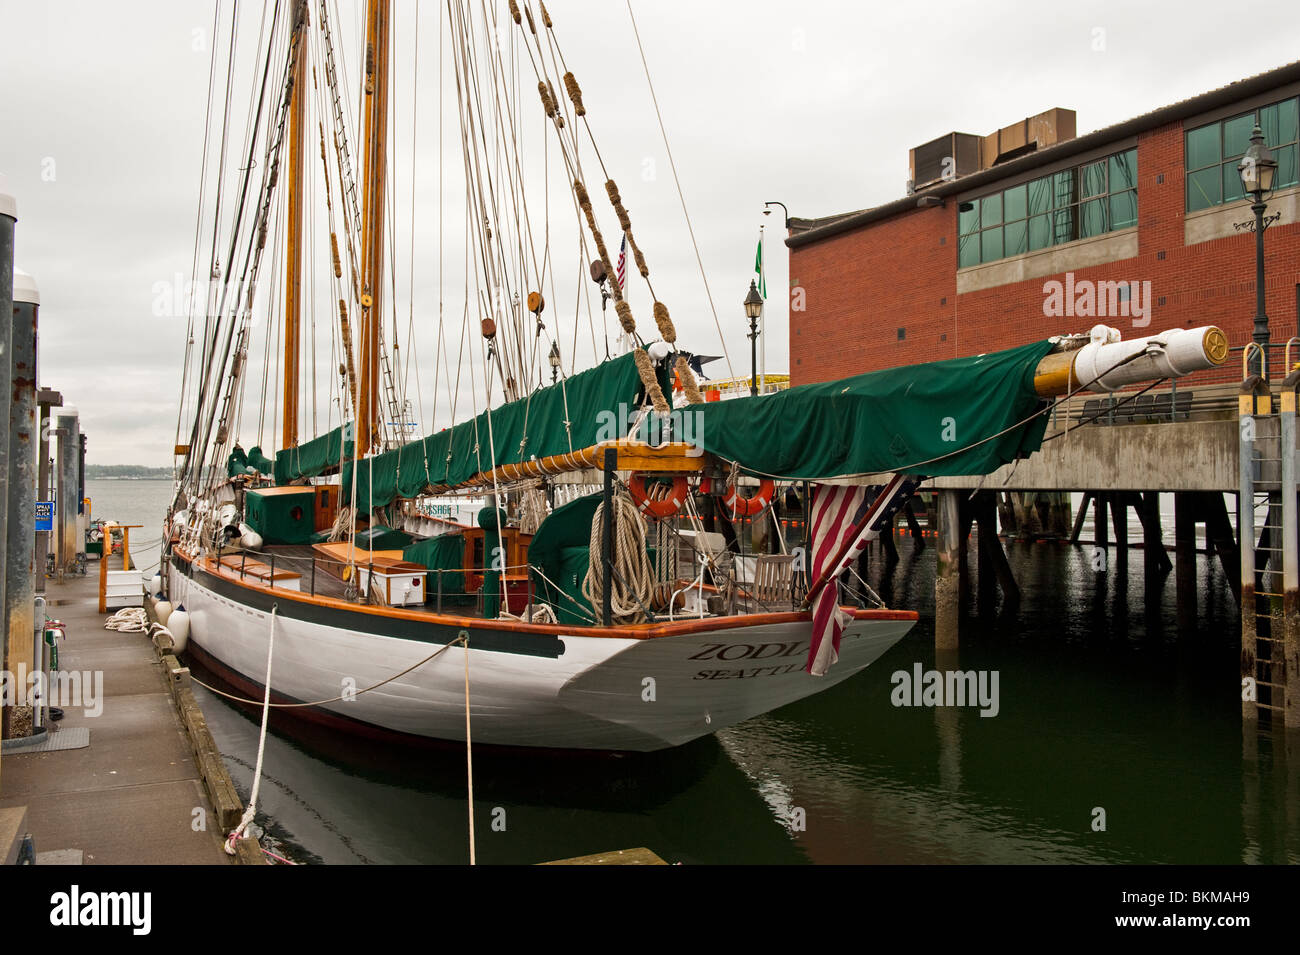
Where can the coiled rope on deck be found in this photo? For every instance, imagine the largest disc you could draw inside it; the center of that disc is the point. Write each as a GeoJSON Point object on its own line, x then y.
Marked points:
{"type": "Point", "coordinates": [633, 580]}
{"type": "Point", "coordinates": [128, 620]}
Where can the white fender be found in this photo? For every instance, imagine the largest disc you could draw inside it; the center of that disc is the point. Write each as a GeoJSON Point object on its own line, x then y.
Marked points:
{"type": "Point", "coordinates": [249, 538]}
{"type": "Point", "coordinates": [179, 625]}
{"type": "Point", "coordinates": [163, 611]}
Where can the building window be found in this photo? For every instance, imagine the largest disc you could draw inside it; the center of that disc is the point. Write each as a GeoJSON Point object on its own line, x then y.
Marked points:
{"type": "Point", "coordinates": [1212, 152]}
{"type": "Point", "coordinates": [1088, 200]}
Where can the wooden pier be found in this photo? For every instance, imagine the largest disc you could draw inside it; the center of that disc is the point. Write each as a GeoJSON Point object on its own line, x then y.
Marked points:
{"type": "Point", "coordinates": [1224, 439]}
{"type": "Point", "coordinates": [125, 785]}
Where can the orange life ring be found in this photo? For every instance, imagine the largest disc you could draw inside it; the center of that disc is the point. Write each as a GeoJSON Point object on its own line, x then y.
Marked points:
{"type": "Point", "coordinates": [745, 506]}
{"type": "Point", "coordinates": [658, 507]}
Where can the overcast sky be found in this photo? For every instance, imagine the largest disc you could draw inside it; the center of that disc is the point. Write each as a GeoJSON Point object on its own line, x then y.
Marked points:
{"type": "Point", "coordinates": [814, 104]}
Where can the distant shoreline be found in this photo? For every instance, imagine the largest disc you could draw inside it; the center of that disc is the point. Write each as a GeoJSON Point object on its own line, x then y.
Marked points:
{"type": "Point", "coordinates": [126, 472]}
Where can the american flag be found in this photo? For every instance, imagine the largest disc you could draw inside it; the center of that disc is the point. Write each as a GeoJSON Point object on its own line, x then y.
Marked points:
{"type": "Point", "coordinates": [621, 271]}
{"type": "Point", "coordinates": [844, 520]}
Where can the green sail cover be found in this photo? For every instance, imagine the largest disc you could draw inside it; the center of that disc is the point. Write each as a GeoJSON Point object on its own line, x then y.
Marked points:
{"type": "Point", "coordinates": [561, 550]}
{"type": "Point", "coordinates": [259, 461]}
{"type": "Point", "coordinates": [313, 457]}
{"type": "Point", "coordinates": [911, 419]}
{"type": "Point", "coordinates": [530, 427]}
{"type": "Point", "coordinates": [444, 553]}
{"type": "Point", "coordinates": [237, 463]}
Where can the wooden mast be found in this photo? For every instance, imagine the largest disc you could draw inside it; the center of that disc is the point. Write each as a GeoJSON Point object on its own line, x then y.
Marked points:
{"type": "Point", "coordinates": [293, 268]}
{"type": "Point", "coordinates": [375, 117]}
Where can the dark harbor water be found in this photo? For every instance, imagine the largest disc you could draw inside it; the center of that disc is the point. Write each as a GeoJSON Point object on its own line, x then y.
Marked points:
{"type": "Point", "coordinates": [1103, 708]}
{"type": "Point", "coordinates": [1102, 705]}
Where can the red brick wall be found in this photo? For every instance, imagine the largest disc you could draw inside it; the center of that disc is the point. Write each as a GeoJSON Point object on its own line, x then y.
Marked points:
{"type": "Point", "coordinates": [860, 287]}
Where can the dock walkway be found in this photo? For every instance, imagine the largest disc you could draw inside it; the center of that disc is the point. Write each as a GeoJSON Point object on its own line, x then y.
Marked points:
{"type": "Point", "coordinates": [133, 795]}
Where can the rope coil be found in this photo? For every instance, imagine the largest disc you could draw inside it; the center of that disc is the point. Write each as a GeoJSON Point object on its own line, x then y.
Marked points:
{"type": "Point", "coordinates": [634, 580]}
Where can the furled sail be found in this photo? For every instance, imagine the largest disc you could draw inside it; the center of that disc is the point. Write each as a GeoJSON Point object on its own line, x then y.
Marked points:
{"type": "Point", "coordinates": [939, 418]}
{"type": "Point", "coordinates": [579, 412]}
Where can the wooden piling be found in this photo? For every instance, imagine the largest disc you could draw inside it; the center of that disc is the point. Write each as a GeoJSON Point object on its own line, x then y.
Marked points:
{"type": "Point", "coordinates": [1119, 519]}
{"type": "Point", "coordinates": [947, 586]}
{"type": "Point", "coordinates": [991, 550]}
{"type": "Point", "coordinates": [1185, 512]}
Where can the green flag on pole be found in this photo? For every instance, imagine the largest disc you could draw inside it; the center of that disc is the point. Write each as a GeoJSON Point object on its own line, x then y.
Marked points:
{"type": "Point", "coordinates": [758, 268]}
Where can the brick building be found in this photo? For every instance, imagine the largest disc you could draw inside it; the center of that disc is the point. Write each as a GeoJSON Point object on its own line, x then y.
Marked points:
{"type": "Point", "coordinates": [962, 264]}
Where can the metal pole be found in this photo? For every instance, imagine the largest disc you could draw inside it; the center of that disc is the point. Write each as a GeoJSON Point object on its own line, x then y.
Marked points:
{"type": "Point", "coordinates": [1246, 540]}
{"type": "Point", "coordinates": [1288, 649]}
{"type": "Point", "coordinates": [66, 510]}
{"type": "Point", "coordinates": [20, 540]}
{"type": "Point", "coordinates": [607, 540]}
{"type": "Point", "coordinates": [1261, 317]}
{"type": "Point", "coordinates": [8, 217]}
{"type": "Point", "coordinates": [46, 400]}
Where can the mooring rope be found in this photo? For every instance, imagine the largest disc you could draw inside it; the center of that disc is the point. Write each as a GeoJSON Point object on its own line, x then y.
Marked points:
{"type": "Point", "coordinates": [251, 811]}
{"type": "Point", "coordinates": [128, 620]}
{"type": "Point", "coordinates": [462, 639]}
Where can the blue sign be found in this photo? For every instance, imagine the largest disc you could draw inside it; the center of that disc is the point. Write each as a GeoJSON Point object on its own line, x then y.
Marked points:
{"type": "Point", "coordinates": [45, 515]}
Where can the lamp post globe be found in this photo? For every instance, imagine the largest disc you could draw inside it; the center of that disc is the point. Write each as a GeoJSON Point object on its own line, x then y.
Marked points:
{"type": "Point", "coordinates": [753, 309]}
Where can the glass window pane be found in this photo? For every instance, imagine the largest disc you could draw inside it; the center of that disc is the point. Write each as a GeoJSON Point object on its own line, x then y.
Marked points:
{"type": "Point", "coordinates": [1093, 218]}
{"type": "Point", "coordinates": [969, 251]}
{"type": "Point", "coordinates": [1203, 189]}
{"type": "Point", "coordinates": [1236, 134]}
{"type": "Point", "coordinates": [1203, 146]}
{"type": "Point", "coordinates": [1093, 178]}
{"type": "Point", "coordinates": [1123, 171]}
{"type": "Point", "coordinates": [990, 244]}
{"type": "Point", "coordinates": [991, 210]}
{"type": "Point", "coordinates": [1288, 126]}
{"type": "Point", "coordinates": [1268, 117]}
{"type": "Point", "coordinates": [1065, 227]}
{"type": "Point", "coordinates": [1232, 188]}
{"type": "Point", "coordinates": [1017, 238]}
{"type": "Point", "coordinates": [1040, 232]}
{"type": "Point", "coordinates": [1123, 209]}
{"type": "Point", "coordinates": [1065, 191]}
{"type": "Point", "coordinates": [1040, 195]}
{"type": "Point", "coordinates": [1014, 203]}
{"type": "Point", "coordinates": [968, 217]}
{"type": "Point", "coordinates": [1286, 167]}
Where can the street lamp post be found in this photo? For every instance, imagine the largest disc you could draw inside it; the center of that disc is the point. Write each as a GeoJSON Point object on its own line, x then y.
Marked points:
{"type": "Point", "coordinates": [767, 210]}
{"type": "Point", "coordinates": [554, 358]}
{"type": "Point", "coordinates": [753, 308]}
{"type": "Point", "coordinates": [1257, 167]}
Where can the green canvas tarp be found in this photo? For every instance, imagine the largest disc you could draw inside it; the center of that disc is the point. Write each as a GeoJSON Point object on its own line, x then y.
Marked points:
{"type": "Point", "coordinates": [531, 427]}
{"type": "Point", "coordinates": [237, 463]}
{"type": "Point", "coordinates": [315, 456]}
{"type": "Point", "coordinates": [380, 537]}
{"type": "Point", "coordinates": [938, 418]}
{"type": "Point", "coordinates": [259, 461]}
{"type": "Point", "coordinates": [444, 553]}
{"type": "Point", "coordinates": [281, 518]}
{"type": "Point", "coordinates": [561, 550]}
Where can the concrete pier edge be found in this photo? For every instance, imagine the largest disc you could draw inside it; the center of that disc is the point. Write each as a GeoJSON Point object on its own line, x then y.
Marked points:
{"type": "Point", "coordinates": [217, 782]}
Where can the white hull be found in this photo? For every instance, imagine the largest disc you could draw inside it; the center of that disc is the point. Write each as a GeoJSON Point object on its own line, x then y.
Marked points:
{"type": "Point", "coordinates": [587, 692]}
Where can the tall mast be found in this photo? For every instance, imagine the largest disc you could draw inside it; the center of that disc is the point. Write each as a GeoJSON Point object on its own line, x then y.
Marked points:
{"type": "Point", "coordinates": [293, 269]}
{"type": "Point", "coordinates": [375, 115]}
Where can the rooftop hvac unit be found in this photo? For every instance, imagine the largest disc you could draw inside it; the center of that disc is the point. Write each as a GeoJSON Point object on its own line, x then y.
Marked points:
{"type": "Point", "coordinates": [949, 157]}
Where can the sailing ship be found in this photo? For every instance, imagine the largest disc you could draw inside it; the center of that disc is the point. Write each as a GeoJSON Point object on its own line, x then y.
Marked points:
{"type": "Point", "coordinates": [643, 566]}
